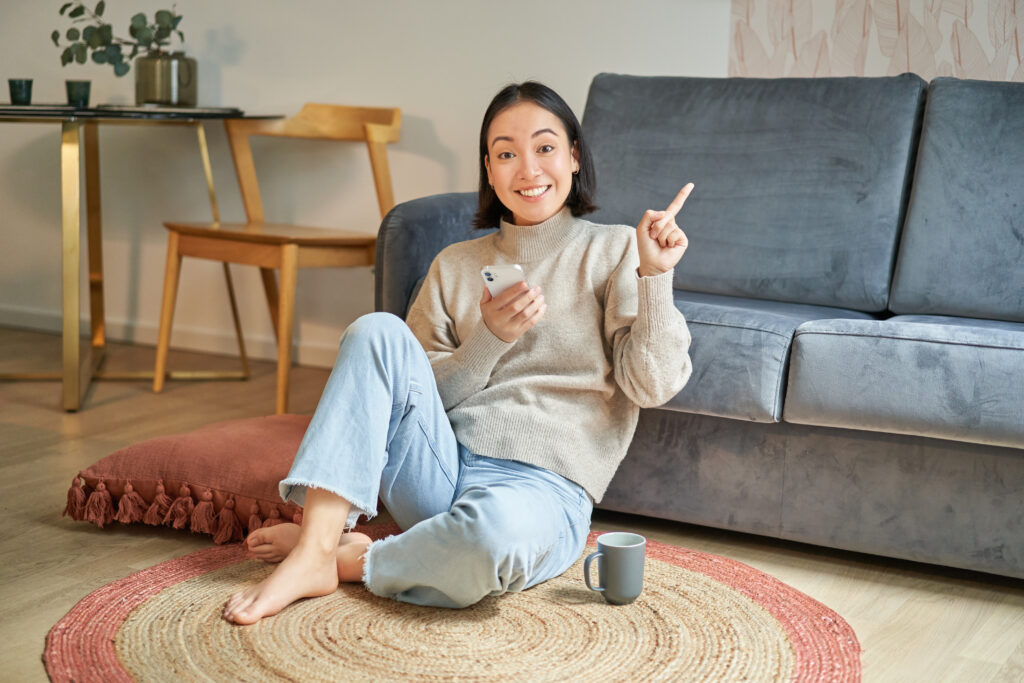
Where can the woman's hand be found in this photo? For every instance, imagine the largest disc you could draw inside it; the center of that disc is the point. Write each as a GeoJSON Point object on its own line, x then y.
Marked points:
{"type": "Point", "coordinates": [659, 240]}
{"type": "Point", "coordinates": [512, 312]}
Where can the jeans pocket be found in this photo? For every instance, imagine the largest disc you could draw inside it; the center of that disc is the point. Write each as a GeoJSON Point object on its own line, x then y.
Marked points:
{"type": "Point", "coordinates": [449, 475]}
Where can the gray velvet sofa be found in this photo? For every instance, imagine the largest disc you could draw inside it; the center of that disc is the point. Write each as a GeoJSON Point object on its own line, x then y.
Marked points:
{"type": "Point", "coordinates": [855, 292]}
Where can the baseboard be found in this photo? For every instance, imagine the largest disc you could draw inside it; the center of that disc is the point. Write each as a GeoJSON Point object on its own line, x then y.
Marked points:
{"type": "Point", "coordinates": [263, 347]}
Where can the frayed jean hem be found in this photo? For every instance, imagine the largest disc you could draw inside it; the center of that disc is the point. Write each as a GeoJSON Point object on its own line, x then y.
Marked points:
{"type": "Point", "coordinates": [293, 490]}
{"type": "Point", "coordinates": [368, 568]}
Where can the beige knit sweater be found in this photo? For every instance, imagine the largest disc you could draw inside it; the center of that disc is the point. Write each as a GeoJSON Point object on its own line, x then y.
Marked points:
{"type": "Point", "coordinates": [565, 395]}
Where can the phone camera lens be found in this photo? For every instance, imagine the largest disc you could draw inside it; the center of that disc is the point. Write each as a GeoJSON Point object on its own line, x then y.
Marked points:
{"type": "Point", "coordinates": [487, 274]}
{"type": "Point", "coordinates": [490, 279]}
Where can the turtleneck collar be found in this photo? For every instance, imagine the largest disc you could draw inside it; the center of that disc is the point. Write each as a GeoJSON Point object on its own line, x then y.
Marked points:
{"type": "Point", "coordinates": [525, 243]}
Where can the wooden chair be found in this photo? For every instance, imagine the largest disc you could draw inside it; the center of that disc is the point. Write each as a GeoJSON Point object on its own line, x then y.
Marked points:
{"type": "Point", "coordinates": [276, 246]}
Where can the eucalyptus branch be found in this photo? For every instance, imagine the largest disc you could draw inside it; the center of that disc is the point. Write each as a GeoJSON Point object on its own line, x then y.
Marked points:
{"type": "Point", "coordinates": [98, 36]}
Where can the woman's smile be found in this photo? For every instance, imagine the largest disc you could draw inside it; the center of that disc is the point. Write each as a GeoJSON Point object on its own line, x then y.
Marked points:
{"type": "Point", "coordinates": [534, 192]}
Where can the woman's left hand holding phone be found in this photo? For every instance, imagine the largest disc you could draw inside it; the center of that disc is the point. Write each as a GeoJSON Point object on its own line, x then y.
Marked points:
{"type": "Point", "coordinates": [512, 312]}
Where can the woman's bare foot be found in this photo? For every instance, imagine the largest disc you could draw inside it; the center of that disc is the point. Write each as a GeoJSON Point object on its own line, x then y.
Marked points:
{"type": "Point", "coordinates": [351, 556]}
{"type": "Point", "coordinates": [308, 572]}
{"type": "Point", "coordinates": [274, 543]}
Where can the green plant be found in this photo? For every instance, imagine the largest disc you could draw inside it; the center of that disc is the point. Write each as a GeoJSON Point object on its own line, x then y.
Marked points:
{"type": "Point", "coordinates": [98, 36]}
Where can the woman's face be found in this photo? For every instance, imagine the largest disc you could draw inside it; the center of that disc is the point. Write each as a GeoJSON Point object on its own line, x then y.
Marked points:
{"type": "Point", "coordinates": [530, 162]}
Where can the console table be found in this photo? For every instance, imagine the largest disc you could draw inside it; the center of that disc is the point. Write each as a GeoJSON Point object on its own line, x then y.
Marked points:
{"type": "Point", "coordinates": [79, 140]}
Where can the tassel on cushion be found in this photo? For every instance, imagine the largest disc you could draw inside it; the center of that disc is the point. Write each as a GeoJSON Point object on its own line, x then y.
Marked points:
{"type": "Point", "coordinates": [229, 529]}
{"type": "Point", "coordinates": [181, 509]}
{"type": "Point", "coordinates": [161, 504]}
{"type": "Point", "coordinates": [100, 508]}
{"type": "Point", "coordinates": [76, 500]}
{"type": "Point", "coordinates": [202, 517]}
{"type": "Point", "coordinates": [132, 506]}
{"type": "Point", "coordinates": [254, 518]}
{"type": "Point", "coordinates": [274, 519]}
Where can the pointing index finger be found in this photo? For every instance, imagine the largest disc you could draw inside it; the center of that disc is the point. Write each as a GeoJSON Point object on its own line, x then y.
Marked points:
{"type": "Point", "coordinates": [680, 199]}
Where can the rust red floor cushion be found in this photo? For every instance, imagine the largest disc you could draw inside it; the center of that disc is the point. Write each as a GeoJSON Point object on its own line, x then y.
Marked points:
{"type": "Point", "coordinates": [220, 479]}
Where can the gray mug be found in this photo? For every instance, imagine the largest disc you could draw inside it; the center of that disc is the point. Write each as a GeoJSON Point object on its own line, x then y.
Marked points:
{"type": "Point", "coordinates": [620, 566]}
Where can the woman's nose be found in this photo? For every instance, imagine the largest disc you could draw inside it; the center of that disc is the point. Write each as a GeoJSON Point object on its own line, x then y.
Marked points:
{"type": "Point", "coordinates": [528, 167]}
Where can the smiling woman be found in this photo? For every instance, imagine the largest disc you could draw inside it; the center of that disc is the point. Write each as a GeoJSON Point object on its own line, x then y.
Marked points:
{"type": "Point", "coordinates": [488, 425]}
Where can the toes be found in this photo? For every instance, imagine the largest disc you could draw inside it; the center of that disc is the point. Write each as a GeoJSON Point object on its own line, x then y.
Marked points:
{"type": "Point", "coordinates": [240, 615]}
{"type": "Point", "coordinates": [233, 601]}
{"type": "Point", "coordinates": [253, 612]}
{"type": "Point", "coordinates": [238, 602]}
{"type": "Point", "coordinates": [244, 618]}
{"type": "Point", "coordinates": [266, 553]}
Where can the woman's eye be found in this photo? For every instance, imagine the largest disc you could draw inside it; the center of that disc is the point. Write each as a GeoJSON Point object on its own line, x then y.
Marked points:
{"type": "Point", "coordinates": [505, 155]}
{"type": "Point", "coordinates": [544, 149]}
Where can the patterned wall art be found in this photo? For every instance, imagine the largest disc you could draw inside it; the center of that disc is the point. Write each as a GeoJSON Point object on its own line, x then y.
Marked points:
{"type": "Point", "coordinates": [979, 39]}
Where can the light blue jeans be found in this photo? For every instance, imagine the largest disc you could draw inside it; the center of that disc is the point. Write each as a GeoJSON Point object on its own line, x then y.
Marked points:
{"type": "Point", "coordinates": [472, 526]}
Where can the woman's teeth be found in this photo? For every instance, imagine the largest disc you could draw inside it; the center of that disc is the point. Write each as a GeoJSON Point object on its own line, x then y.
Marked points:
{"type": "Point", "coordinates": [535, 191]}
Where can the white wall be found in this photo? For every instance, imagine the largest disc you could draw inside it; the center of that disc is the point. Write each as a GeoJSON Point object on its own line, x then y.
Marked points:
{"type": "Point", "coordinates": [440, 61]}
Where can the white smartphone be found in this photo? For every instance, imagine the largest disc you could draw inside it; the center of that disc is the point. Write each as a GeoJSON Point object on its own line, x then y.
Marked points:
{"type": "Point", "coordinates": [499, 278]}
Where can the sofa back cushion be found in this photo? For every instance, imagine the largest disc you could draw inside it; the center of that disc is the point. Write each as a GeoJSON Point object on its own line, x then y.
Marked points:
{"type": "Point", "coordinates": [962, 252]}
{"type": "Point", "coordinates": [800, 183]}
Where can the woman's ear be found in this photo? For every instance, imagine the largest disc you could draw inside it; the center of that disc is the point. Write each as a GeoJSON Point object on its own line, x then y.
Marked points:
{"type": "Point", "coordinates": [487, 166]}
{"type": "Point", "coordinates": [576, 157]}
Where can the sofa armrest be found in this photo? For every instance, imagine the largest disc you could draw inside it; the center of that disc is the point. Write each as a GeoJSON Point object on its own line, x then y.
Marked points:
{"type": "Point", "coordinates": [410, 236]}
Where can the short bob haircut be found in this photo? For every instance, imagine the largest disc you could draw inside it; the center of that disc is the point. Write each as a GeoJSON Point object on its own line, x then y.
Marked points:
{"type": "Point", "coordinates": [584, 183]}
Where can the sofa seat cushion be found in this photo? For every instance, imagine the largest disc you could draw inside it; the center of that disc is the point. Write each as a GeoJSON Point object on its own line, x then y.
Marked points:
{"type": "Point", "coordinates": [740, 350]}
{"type": "Point", "coordinates": [942, 377]}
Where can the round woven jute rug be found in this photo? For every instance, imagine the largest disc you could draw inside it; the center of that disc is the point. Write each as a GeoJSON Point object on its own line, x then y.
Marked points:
{"type": "Point", "coordinates": [701, 617]}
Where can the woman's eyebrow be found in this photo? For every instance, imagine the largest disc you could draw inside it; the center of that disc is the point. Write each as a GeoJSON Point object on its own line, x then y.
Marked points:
{"type": "Point", "coordinates": [539, 132]}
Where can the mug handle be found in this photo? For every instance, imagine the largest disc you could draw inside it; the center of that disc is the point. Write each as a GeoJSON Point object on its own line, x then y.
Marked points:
{"type": "Point", "coordinates": [586, 570]}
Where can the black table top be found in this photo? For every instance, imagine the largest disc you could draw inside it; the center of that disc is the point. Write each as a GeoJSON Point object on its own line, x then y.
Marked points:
{"type": "Point", "coordinates": [63, 112]}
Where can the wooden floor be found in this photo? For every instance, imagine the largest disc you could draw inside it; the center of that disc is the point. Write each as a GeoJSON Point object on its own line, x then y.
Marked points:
{"type": "Point", "coordinates": [914, 622]}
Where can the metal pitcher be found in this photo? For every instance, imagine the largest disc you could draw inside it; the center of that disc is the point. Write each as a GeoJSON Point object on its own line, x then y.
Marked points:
{"type": "Point", "coordinates": [166, 79]}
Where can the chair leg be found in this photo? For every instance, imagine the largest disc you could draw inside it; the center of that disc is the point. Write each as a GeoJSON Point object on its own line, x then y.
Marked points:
{"type": "Point", "coordinates": [171, 271]}
{"type": "Point", "coordinates": [270, 289]}
{"type": "Point", "coordinates": [286, 318]}
{"type": "Point", "coordinates": [237, 321]}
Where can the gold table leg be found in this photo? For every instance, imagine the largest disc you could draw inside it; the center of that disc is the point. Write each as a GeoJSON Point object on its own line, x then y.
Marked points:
{"type": "Point", "coordinates": [97, 318]}
{"type": "Point", "coordinates": [70, 183]}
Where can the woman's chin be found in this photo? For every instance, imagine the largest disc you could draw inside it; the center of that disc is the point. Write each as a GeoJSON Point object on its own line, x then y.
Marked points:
{"type": "Point", "coordinates": [532, 215]}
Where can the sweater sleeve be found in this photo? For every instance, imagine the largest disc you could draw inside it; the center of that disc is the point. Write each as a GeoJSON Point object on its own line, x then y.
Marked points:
{"type": "Point", "coordinates": [647, 333]}
{"type": "Point", "coordinates": [461, 366]}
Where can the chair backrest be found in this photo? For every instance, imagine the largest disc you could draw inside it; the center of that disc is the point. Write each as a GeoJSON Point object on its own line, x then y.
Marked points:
{"type": "Point", "coordinates": [376, 126]}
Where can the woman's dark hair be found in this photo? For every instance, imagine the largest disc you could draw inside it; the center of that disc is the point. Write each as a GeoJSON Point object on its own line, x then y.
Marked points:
{"type": "Point", "coordinates": [584, 183]}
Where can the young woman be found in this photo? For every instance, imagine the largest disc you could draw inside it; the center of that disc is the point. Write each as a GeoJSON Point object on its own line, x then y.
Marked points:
{"type": "Point", "coordinates": [487, 425]}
